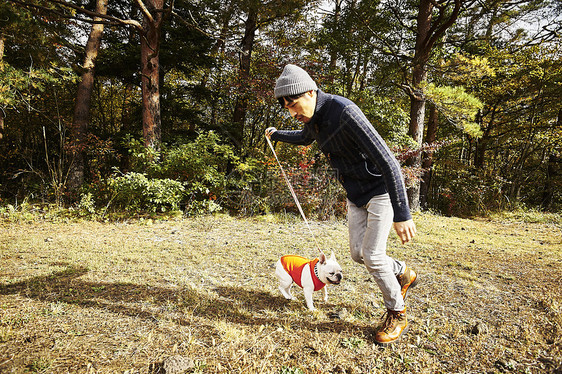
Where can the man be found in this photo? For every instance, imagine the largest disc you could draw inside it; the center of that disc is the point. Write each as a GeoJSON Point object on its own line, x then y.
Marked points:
{"type": "Point", "coordinates": [371, 177]}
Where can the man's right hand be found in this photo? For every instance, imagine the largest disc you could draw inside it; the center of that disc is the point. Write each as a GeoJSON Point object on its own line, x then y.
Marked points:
{"type": "Point", "coordinates": [406, 230]}
{"type": "Point", "coordinates": [269, 131]}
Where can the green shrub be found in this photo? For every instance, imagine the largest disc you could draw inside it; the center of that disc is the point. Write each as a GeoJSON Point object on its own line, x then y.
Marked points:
{"type": "Point", "coordinates": [87, 205]}
{"type": "Point", "coordinates": [135, 192]}
{"type": "Point", "coordinates": [203, 167]}
{"type": "Point", "coordinates": [215, 179]}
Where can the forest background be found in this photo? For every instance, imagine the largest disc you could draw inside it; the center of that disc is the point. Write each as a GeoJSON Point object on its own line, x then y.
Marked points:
{"type": "Point", "coordinates": [153, 105]}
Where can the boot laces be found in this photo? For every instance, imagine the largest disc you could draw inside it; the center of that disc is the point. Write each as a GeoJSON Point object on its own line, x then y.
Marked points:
{"type": "Point", "coordinates": [391, 318]}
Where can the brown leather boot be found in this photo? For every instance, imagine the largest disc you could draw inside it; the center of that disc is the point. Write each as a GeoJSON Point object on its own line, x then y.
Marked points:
{"type": "Point", "coordinates": [407, 280]}
{"type": "Point", "coordinates": [395, 324]}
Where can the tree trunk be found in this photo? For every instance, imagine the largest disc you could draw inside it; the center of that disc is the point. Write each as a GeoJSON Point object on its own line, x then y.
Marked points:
{"type": "Point", "coordinates": [333, 52]}
{"type": "Point", "coordinates": [417, 116]}
{"type": "Point", "coordinates": [417, 99]}
{"type": "Point", "coordinates": [79, 127]}
{"type": "Point", "coordinates": [1, 109]}
{"type": "Point", "coordinates": [427, 157]}
{"type": "Point", "coordinates": [484, 140]}
{"type": "Point", "coordinates": [552, 172]}
{"type": "Point", "coordinates": [549, 184]}
{"type": "Point", "coordinates": [241, 107]}
{"type": "Point", "coordinates": [427, 35]}
{"type": "Point", "coordinates": [150, 71]}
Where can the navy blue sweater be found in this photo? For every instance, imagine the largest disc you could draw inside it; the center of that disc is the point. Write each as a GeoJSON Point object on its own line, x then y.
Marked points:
{"type": "Point", "coordinates": [365, 165]}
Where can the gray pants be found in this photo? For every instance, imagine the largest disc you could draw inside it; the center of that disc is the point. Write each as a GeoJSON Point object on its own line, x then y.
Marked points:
{"type": "Point", "coordinates": [369, 227]}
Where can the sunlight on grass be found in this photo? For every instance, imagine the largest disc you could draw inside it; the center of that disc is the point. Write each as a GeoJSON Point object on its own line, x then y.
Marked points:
{"type": "Point", "coordinates": [119, 297]}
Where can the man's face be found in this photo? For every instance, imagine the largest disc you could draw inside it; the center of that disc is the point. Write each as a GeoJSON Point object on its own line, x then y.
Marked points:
{"type": "Point", "coordinates": [302, 108]}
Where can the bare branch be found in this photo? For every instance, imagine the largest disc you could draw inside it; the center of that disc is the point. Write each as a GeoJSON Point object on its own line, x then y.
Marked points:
{"type": "Point", "coordinates": [195, 26]}
{"type": "Point", "coordinates": [105, 19]}
{"type": "Point", "coordinates": [145, 11]}
{"type": "Point", "coordinates": [448, 23]}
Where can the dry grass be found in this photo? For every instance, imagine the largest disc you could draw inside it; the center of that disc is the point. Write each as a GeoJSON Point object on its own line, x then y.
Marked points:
{"type": "Point", "coordinates": [87, 297]}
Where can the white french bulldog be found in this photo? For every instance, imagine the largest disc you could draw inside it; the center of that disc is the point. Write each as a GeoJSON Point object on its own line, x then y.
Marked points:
{"type": "Point", "coordinates": [311, 275]}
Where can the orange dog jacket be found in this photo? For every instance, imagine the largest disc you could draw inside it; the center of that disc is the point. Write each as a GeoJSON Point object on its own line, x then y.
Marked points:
{"type": "Point", "coordinates": [294, 265]}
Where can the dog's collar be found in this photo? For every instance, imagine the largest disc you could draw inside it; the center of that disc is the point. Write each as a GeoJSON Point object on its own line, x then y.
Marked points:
{"type": "Point", "coordinates": [316, 270]}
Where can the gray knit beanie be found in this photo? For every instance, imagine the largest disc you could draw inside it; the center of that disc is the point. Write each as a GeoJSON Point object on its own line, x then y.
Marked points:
{"type": "Point", "coordinates": [293, 81]}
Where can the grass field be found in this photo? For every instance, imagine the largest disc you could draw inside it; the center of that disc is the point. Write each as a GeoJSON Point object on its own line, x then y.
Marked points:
{"type": "Point", "coordinates": [139, 296]}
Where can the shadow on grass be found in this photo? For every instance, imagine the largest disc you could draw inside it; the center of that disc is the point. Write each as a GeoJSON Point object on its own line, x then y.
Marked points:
{"type": "Point", "coordinates": [184, 306]}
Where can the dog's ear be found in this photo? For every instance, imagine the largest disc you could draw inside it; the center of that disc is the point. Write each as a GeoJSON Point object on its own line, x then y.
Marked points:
{"type": "Point", "coordinates": [333, 257]}
{"type": "Point", "coordinates": [322, 258]}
